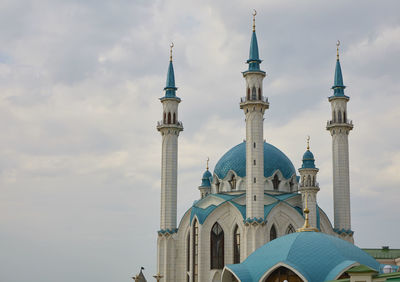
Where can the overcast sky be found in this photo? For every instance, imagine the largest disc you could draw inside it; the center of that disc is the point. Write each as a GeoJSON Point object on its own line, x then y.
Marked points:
{"type": "Point", "coordinates": [79, 88]}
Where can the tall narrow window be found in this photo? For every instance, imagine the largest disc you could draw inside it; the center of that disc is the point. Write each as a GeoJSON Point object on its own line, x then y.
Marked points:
{"type": "Point", "coordinates": [236, 245]}
{"type": "Point", "coordinates": [344, 117]}
{"type": "Point", "coordinates": [188, 252]}
{"type": "Point", "coordinates": [291, 184]}
{"type": "Point", "coordinates": [308, 180]}
{"type": "Point", "coordinates": [169, 118]}
{"type": "Point", "coordinates": [195, 251]}
{"type": "Point", "coordinates": [217, 247]}
{"type": "Point", "coordinates": [254, 162]}
{"type": "Point", "coordinates": [272, 233]}
{"type": "Point", "coordinates": [232, 182]}
{"type": "Point", "coordinates": [275, 182]}
{"type": "Point", "coordinates": [248, 93]}
{"type": "Point", "coordinates": [254, 144]}
{"type": "Point", "coordinates": [259, 93]}
{"type": "Point", "coordinates": [290, 229]}
{"type": "Point", "coordinates": [165, 118]}
{"type": "Point", "coordinates": [334, 116]}
{"type": "Point", "coordinates": [253, 93]}
{"type": "Point", "coordinates": [173, 119]}
{"type": "Point", "coordinates": [339, 116]}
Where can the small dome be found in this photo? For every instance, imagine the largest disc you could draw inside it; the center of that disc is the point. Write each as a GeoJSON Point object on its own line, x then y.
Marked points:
{"type": "Point", "coordinates": [316, 256]}
{"type": "Point", "coordinates": [205, 180]}
{"type": "Point", "coordinates": [308, 160]}
{"type": "Point", "coordinates": [235, 159]}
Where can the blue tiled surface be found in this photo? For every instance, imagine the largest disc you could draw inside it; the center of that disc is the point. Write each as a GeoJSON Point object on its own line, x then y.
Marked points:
{"type": "Point", "coordinates": [308, 160]}
{"type": "Point", "coordinates": [317, 256]}
{"type": "Point", "coordinates": [235, 159]}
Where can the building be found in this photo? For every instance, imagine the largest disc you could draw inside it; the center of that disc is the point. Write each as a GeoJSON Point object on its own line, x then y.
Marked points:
{"type": "Point", "coordinates": [254, 194]}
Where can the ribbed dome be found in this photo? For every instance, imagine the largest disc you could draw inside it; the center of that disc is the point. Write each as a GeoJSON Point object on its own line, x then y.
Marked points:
{"type": "Point", "coordinates": [235, 159]}
{"type": "Point", "coordinates": [308, 160]}
{"type": "Point", "coordinates": [317, 256]}
{"type": "Point", "coordinates": [205, 180]}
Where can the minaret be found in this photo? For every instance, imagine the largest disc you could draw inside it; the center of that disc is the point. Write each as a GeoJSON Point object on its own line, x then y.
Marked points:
{"type": "Point", "coordinates": [254, 105]}
{"type": "Point", "coordinates": [169, 128]}
{"type": "Point", "coordinates": [309, 185]}
{"type": "Point", "coordinates": [205, 186]}
{"type": "Point", "coordinates": [339, 127]}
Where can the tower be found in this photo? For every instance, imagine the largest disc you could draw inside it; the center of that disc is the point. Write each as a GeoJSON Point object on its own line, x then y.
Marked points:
{"type": "Point", "coordinates": [339, 127]}
{"type": "Point", "coordinates": [169, 127]}
{"type": "Point", "coordinates": [309, 185]}
{"type": "Point", "coordinates": [205, 186]}
{"type": "Point", "coordinates": [254, 105]}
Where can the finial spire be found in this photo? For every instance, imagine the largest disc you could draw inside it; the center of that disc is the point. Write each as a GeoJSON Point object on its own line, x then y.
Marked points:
{"type": "Point", "coordinates": [170, 51]}
{"type": "Point", "coordinates": [306, 227]}
{"type": "Point", "coordinates": [254, 19]}
{"type": "Point", "coordinates": [308, 142]}
{"type": "Point", "coordinates": [208, 159]}
{"type": "Point", "coordinates": [337, 50]}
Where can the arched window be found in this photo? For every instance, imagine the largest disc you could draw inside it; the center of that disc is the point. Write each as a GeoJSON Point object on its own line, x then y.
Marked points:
{"type": "Point", "coordinates": [339, 116]}
{"type": "Point", "coordinates": [313, 180]}
{"type": "Point", "coordinates": [217, 247]}
{"type": "Point", "coordinates": [169, 118]}
{"type": "Point", "coordinates": [281, 274]}
{"type": "Point", "coordinates": [334, 116]}
{"type": "Point", "coordinates": [165, 118]}
{"type": "Point", "coordinates": [173, 119]}
{"type": "Point", "coordinates": [236, 245]}
{"type": "Point", "coordinates": [248, 93]}
{"type": "Point", "coordinates": [195, 251]}
{"type": "Point", "coordinates": [259, 93]}
{"type": "Point", "coordinates": [308, 180]}
{"type": "Point", "coordinates": [188, 252]}
{"type": "Point", "coordinates": [272, 233]}
{"type": "Point", "coordinates": [291, 184]}
{"type": "Point", "coordinates": [344, 117]}
{"type": "Point", "coordinates": [275, 182]}
{"type": "Point", "coordinates": [232, 182]}
{"type": "Point", "coordinates": [217, 185]}
{"type": "Point", "coordinates": [253, 93]}
{"type": "Point", "coordinates": [290, 229]}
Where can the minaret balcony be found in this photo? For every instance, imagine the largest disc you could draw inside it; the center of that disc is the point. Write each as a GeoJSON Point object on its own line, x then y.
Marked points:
{"type": "Point", "coordinates": [244, 101]}
{"type": "Point", "coordinates": [346, 124]}
{"type": "Point", "coordinates": [177, 125]}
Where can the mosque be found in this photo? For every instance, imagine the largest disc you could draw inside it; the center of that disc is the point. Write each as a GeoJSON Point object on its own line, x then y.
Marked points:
{"type": "Point", "coordinates": [243, 226]}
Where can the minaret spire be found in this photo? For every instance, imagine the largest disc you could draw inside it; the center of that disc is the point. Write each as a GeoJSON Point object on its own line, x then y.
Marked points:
{"type": "Point", "coordinates": [170, 88]}
{"type": "Point", "coordinates": [340, 127]}
{"type": "Point", "coordinates": [254, 20]}
{"type": "Point", "coordinates": [254, 59]}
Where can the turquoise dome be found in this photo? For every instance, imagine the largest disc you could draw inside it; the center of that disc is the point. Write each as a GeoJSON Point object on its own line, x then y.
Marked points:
{"type": "Point", "coordinates": [235, 159]}
{"type": "Point", "coordinates": [205, 180]}
{"type": "Point", "coordinates": [316, 256]}
{"type": "Point", "coordinates": [308, 160]}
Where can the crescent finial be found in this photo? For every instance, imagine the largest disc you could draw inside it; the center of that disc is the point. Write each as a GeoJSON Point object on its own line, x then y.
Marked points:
{"type": "Point", "coordinates": [308, 142]}
{"type": "Point", "coordinates": [337, 49]}
{"type": "Point", "coordinates": [254, 19]}
{"type": "Point", "coordinates": [170, 50]}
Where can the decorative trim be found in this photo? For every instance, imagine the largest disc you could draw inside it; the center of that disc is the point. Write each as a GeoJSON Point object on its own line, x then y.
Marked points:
{"type": "Point", "coordinates": [341, 231]}
{"type": "Point", "coordinates": [167, 232]}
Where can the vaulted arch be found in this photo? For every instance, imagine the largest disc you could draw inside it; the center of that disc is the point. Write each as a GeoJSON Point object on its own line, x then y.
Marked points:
{"type": "Point", "coordinates": [281, 274]}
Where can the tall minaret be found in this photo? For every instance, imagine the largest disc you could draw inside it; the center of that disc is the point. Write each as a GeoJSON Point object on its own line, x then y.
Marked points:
{"type": "Point", "coordinates": [254, 106]}
{"type": "Point", "coordinates": [309, 185]}
{"type": "Point", "coordinates": [339, 128]}
{"type": "Point", "coordinates": [169, 128]}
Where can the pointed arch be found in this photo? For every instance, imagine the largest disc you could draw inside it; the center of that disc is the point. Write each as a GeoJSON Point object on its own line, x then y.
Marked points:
{"type": "Point", "coordinates": [217, 246]}
{"type": "Point", "coordinates": [233, 181]}
{"type": "Point", "coordinates": [169, 118]}
{"type": "Point", "coordinates": [276, 181]}
{"type": "Point", "coordinates": [290, 229]}
{"type": "Point", "coordinates": [339, 116]}
{"type": "Point", "coordinates": [281, 274]}
{"type": "Point", "coordinates": [272, 233]}
{"type": "Point", "coordinates": [259, 93]}
{"type": "Point", "coordinates": [165, 118]}
{"type": "Point", "coordinates": [248, 93]}
{"type": "Point", "coordinates": [253, 93]}
{"type": "Point", "coordinates": [236, 245]}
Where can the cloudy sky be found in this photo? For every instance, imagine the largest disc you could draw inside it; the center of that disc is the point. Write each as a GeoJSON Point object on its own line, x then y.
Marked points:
{"type": "Point", "coordinates": [79, 89]}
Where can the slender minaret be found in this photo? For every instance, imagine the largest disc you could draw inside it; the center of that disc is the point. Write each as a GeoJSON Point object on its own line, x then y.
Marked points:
{"type": "Point", "coordinates": [254, 105]}
{"type": "Point", "coordinates": [169, 128]}
{"type": "Point", "coordinates": [309, 185]}
{"type": "Point", "coordinates": [339, 127]}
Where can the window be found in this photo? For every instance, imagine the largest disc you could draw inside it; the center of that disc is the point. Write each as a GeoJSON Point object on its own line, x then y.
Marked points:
{"type": "Point", "coordinates": [275, 182]}
{"type": "Point", "coordinates": [195, 251]}
{"type": "Point", "coordinates": [272, 233]}
{"type": "Point", "coordinates": [344, 117]}
{"type": "Point", "coordinates": [339, 116]}
{"type": "Point", "coordinates": [281, 274]}
{"type": "Point", "coordinates": [236, 245]}
{"type": "Point", "coordinates": [254, 162]}
{"type": "Point", "coordinates": [259, 93]}
{"type": "Point", "coordinates": [165, 118]}
{"type": "Point", "coordinates": [173, 119]}
{"type": "Point", "coordinates": [169, 118]}
{"type": "Point", "coordinates": [291, 184]}
{"type": "Point", "coordinates": [188, 252]}
{"type": "Point", "coordinates": [254, 145]}
{"type": "Point", "coordinates": [255, 198]}
{"type": "Point", "coordinates": [334, 116]}
{"type": "Point", "coordinates": [290, 229]}
{"type": "Point", "coordinates": [254, 180]}
{"type": "Point", "coordinates": [248, 93]}
{"type": "Point", "coordinates": [217, 247]}
{"type": "Point", "coordinates": [253, 93]}
{"type": "Point", "coordinates": [232, 182]}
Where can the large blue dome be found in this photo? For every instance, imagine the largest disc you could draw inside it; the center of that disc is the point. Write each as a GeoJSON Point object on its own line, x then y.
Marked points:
{"type": "Point", "coordinates": [316, 256]}
{"type": "Point", "coordinates": [235, 159]}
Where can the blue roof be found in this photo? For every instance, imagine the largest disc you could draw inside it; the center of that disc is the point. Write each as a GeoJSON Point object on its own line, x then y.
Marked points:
{"type": "Point", "coordinates": [235, 159]}
{"type": "Point", "coordinates": [254, 59]}
{"type": "Point", "coordinates": [308, 160]}
{"type": "Point", "coordinates": [317, 256]}
{"type": "Point", "coordinates": [170, 84]}
{"type": "Point", "coordinates": [338, 87]}
{"type": "Point", "coordinates": [203, 213]}
{"type": "Point", "coordinates": [205, 180]}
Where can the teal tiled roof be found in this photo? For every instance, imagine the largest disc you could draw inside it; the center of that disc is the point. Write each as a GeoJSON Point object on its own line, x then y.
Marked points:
{"type": "Point", "coordinates": [316, 256]}
{"type": "Point", "coordinates": [235, 159]}
{"type": "Point", "coordinates": [170, 88]}
{"type": "Point", "coordinates": [308, 160]}
{"type": "Point", "coordinates": [205, 180]}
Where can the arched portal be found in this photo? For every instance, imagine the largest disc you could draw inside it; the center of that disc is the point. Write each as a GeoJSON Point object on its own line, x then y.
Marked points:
{"type": "Point", "coordinates": [281, 274]}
